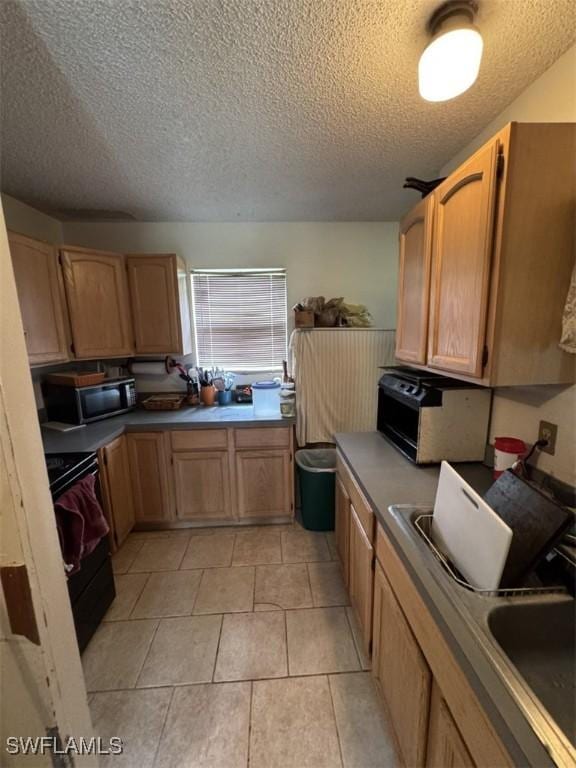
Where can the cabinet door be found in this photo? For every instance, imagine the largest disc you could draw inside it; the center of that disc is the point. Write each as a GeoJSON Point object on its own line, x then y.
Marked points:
{"type": "Point", "coordinates": [361, 577]}
{"type": "Point", "coordinates": [446, 748]}
{"type": "Point", "coordinates": [159, 311]}
{"type": "Point", "coordinates": [342, 528]}
{"type": "Point", "coordinates": [149, 474]}
{"type": "Point", "coordinates": [202, 484]}
{"type": "Point", "coordinates": [41, 299]}
{"type": "Point", "coordinates": [404, 676]}
{"type": "Point", "coordinates": [264, 483]}
{"type": "Point", "coordinates": [414, 282]}
{"type": "Point", "coordinates": [117, 489]}
{"type": "Point", "coordinates": [461, 261]}
{"type": "Point", "coordinates": [98, 302]}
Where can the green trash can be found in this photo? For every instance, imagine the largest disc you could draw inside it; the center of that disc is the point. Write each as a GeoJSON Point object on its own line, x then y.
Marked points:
{"type": "Point", "coordinates": [317, 474]}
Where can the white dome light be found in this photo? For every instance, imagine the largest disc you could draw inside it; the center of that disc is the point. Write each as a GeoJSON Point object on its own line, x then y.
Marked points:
{"type": "Point", "coordinates": [450, 63]}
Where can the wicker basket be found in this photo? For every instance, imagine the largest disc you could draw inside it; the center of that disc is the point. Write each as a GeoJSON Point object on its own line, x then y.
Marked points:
{"type": "Point", "coordinates": [163, 402]}
{"type": "Point", "coordinates": [76, 378]}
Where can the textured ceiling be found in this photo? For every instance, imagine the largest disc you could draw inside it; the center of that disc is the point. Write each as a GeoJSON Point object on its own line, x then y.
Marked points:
{"type": "Point", "coordinates": [265, 110]}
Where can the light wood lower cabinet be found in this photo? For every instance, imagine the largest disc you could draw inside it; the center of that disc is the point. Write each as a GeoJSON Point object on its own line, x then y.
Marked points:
{"type": "Point", "coordinates": [446, 748]}
{"type": "Point", "coordinates": [117, 489]}
{"type": "Point", "coordinates": [354, 528]}
{"type": "Point", "coordinates": [202, 486]}
{"type": "Point", "coordinates": [149, 473]}
{"type": "Point", "coordinates": [41, 299]}
{"type": "Point", "coordinates": [361, 576]}
{"type": "Point", "coordinates": [264, 480]}
{"type": "Point", "coordinates": [410, 651]}
{"type": "Point", "coordinates": [402, 672]}
{"type": "Point", "coordinates": [342, 528]}
{"type": "Point", "coordinates": [219, 478]}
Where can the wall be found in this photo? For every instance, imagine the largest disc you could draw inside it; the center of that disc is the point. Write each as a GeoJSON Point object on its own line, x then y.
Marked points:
{"type": "Point", "coordinates": [355, 260]}
{"type": "Point", "coordinates": [28, 221]}
{"type": "Point", "coordinates": [518, 411]}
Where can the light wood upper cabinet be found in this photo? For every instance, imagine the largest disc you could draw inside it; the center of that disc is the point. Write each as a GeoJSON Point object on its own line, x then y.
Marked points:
{"type": "Point", "coordinates": [159, 299]}
{"type": "Point", "coordinates": [503, 241]}
{"type": "Point", "coordinates": [117, 489]}
{"type": "Point", "coordinates": [361, 576]}
{"type": "Point", "coordinates": [414, 282]}
{"type": "Point", "coordinates": [342, 528]}
{"type": "Point", "coordinates": [40, 295]}
{"type": "Point", "coordinates": [98, 303]}
{"type": "Point", "coordinates": [264, 484]}
{"type": "Point", "coordinates": [202, 486]}
{"type": "Point", "coordinates": [446, 748]}
{"type": "Point", "coordinates": [461, 261]}
{"type": "Point", "coordinates": [402, 672]}
{"type": "Point", "coordinates": [151, 486]}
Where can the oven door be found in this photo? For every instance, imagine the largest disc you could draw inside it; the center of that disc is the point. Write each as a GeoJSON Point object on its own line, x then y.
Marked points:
{"type": "Point", "coordinates": [100, 401]}
{"type": "Point", "coordinates": [398, 422]}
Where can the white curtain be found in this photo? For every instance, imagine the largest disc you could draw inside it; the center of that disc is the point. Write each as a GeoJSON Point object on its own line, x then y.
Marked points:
{"type": "Point", "coordinates": [336, 372]}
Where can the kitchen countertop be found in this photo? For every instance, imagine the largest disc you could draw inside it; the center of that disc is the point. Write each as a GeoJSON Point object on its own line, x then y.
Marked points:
{"type": "Point", "coordinates": [388, 479]}
{"type": "Point", "coordinates": [94, 436]}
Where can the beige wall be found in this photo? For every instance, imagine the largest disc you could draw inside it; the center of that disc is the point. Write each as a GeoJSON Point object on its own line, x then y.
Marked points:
{"type": "Point", "coordinates": [357, 260]}
{"type": "Point", "coordinates": [518, 411]}
{"type": "Point", "coordinates": [28, 221]}
{"type": "Point", "coordinates": [550, 99]}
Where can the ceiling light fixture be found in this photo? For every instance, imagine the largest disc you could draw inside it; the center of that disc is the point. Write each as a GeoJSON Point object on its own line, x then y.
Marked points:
{"type": "Point", "coordinates": [450, 63]}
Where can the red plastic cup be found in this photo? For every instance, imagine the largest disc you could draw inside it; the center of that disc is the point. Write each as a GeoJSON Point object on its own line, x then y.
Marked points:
{"type": "Point", "coordinates": [507, 450]}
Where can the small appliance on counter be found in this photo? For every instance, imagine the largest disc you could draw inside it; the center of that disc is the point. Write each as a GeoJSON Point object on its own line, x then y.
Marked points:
{"type": "Point", "coordinates": [431, 418]}
{"type": "Point", "coordinates": [91, 587]}
{"type": "Point", "coordinates": [243, 393]}
{"type": "Point", "coordinates": [72, 404]}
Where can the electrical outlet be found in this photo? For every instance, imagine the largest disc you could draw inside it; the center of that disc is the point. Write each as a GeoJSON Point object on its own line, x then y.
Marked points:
{"type": "Point", "coordinates": [548, 431]}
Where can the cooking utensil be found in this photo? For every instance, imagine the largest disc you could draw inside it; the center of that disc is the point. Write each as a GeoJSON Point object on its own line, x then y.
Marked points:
{"type": "Point", "coordinates": [471, 535]}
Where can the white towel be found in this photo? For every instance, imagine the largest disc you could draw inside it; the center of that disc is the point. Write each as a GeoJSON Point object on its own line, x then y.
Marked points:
{"type": "Point", "coordinates": [568, 340]}
{"type": "Point", "coordinates": [336, 373]}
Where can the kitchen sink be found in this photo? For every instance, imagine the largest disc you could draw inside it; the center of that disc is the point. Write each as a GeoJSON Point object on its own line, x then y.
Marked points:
{"type": "Point", "coordinates": [528, 635]}
{"type": "Point", "coordinates": [539, 639]}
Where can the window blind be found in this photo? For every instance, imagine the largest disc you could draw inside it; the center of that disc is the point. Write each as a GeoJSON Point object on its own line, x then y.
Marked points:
{"type": "Point", "coordinates": [240, 319]}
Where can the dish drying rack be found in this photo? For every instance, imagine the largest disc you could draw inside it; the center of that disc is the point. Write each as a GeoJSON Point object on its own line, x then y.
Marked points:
{"type": "Point", "coordinates": [423, 524]}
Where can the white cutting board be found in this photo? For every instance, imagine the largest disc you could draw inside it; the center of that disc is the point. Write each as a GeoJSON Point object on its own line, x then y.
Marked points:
{"type": "Point", "coordinates": [469, 532]}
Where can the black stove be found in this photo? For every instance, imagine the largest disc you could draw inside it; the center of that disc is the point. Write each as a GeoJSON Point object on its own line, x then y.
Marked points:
{"type": "Point", "coordinates": [91, 589]}
{"type": "Point", "coordinates": [64, 469]}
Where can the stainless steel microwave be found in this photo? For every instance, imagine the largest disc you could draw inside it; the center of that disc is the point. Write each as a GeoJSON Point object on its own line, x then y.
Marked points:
{"type": "Point", "coordinates": [82, 405]}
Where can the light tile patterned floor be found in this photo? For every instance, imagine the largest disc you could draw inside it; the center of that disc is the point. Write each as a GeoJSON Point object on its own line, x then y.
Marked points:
{"type": "Point", "coordinates": [232, 648]}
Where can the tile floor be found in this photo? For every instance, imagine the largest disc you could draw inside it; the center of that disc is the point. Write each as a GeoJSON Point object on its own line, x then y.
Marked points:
{"type": "Point", "coordinates": [233, 648]}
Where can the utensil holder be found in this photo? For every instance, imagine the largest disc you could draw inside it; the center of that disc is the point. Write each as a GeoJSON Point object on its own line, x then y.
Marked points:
{"type": "Point", "coordinates": [208, 394]}
{"type": "Point", "coordinates": [225, 397]}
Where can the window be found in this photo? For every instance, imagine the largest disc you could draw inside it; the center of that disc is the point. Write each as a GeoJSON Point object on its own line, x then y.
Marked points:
{"type": "Point", "coordinates": [240, 318]}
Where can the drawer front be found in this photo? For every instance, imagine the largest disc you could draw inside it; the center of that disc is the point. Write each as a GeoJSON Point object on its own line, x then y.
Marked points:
{"type": "Point", "coordinates": [264, 437]}
{"type": "Point", "coordinates": [357, 498]}
{"type": "Point", "coordinates": [199, 439]}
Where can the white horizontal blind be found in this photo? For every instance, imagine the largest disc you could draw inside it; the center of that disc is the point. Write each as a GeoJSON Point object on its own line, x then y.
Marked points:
{"type": "Point", "coordinates": [240, 319]}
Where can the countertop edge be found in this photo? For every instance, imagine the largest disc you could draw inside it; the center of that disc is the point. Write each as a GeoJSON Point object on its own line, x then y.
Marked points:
{"type": "Point", "coordinates": [94, 436]}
